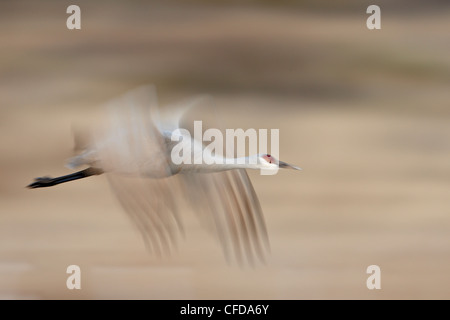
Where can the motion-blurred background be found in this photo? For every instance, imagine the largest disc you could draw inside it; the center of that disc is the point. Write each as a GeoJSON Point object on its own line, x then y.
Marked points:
{"type": "Point", "coordinates": [365, 113]}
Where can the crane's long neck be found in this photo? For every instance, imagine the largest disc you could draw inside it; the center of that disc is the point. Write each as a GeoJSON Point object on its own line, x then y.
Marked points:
{"type": "Point", "coordinates": [217, 163]}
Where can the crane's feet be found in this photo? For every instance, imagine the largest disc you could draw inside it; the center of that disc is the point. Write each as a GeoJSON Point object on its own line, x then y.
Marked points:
{"type": "Point", "coordinates": [41, 182]}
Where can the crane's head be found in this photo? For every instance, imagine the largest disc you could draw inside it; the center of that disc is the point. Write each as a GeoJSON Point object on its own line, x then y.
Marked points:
{"type": "Point", "coordinates": [267, 161]}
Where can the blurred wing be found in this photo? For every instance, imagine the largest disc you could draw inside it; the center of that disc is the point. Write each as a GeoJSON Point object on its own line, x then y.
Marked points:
{"type": "Point", "coordinates": [151, 204]}
{"type": "Point", "coordinates": [129, 141]}
{"type": "Point", "coordinates": [184, 114]}
{"type": "Point", "coordinates": [227, 202]}
{"type": "Point", "coordinates": [128, 146]}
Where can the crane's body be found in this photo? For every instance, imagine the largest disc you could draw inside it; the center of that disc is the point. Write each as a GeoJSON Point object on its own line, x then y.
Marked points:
{"type": "Point", "coordinates": [135, 152]}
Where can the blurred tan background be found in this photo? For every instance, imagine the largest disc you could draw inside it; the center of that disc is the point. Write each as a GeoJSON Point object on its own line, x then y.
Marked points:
{"type": "Point", "coordinates": [365, 113]}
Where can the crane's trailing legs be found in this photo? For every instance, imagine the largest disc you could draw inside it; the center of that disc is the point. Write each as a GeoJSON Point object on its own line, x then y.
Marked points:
{"type": "Point", "coordinates": [48, 181]}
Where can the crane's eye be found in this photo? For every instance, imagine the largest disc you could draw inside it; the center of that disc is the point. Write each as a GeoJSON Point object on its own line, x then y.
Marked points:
{"type": "Point", "coordinates": [267, 157]}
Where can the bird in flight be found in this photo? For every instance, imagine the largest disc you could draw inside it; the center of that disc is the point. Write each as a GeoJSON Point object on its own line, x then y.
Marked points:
{"type": "Point", "coordinates": [133, 148]}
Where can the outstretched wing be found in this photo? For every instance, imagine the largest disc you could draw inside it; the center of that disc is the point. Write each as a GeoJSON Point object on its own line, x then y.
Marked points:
{"type": "Point", "coordinates": [129, 142]}
{"type": "Point", "coordinates": [227, 202]}
{"type": "Point", "coordinates": [153, 208]}
{"type": "Point", "coordinates": [124, 139]}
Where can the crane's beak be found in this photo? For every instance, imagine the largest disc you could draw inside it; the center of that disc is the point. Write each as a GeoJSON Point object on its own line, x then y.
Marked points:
{"type": "Point", "coordinates": [285, 165]}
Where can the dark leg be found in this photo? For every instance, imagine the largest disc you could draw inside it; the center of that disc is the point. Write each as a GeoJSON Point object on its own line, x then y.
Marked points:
{"type": "Point", "coordinates": [48, 182]}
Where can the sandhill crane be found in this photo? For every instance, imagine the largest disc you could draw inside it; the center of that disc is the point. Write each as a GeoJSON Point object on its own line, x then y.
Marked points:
{"type": "Point", "coordinates": [134, 151]}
